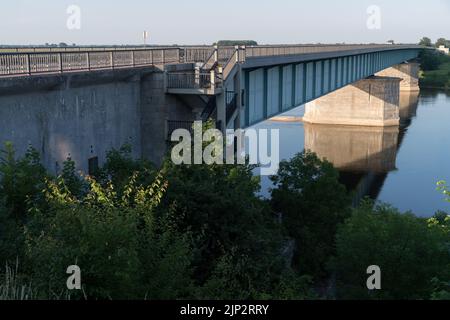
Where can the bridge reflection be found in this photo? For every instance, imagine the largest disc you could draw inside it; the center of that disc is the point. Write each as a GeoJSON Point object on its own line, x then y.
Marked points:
{"type": "Point", "coordinates": [363, 155]}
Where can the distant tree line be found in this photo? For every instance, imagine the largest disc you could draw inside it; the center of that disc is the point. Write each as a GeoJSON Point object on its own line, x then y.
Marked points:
{"type": "Point", "coordinates": [229, 43]}
{"type": "Point", "coordinates": [427, 42]}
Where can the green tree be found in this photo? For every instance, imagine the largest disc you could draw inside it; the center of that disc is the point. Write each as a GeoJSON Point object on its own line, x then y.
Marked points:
{"type": "Point", "coordinates": [410, 251]}
{"type": "Point", "coordinates": [122, 248]}
{"type": "Point", "coordinates": [425, 41]}
{"type": "Point", "coordinates": [237, 240]}
{"type": "Point", "coordinates": [21, 180]}
{"type": "Point", "coordinates": [312, 202]}
{"type": "Point", "coordinates": [442, 42]}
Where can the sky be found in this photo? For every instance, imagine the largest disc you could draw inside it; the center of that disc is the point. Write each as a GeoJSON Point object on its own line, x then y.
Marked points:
{"type": "Point", "coordinates": [206, 21]}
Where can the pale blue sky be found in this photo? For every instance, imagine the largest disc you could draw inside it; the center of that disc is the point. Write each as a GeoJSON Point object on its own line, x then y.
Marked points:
{"type": "Point", "coordinates": [205, 21]}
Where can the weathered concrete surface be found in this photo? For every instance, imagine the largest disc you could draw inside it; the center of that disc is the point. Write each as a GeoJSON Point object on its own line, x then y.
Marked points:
{"type": "Point", "coordinates": [156, 108]}
{"type": "Point", "coordinates": [408, 72]}
{"type": "Point", "coordinates": [354, 148]}
{"type": "Point", "coordinates": [369, 102]}
{"type": "Point", "coordinates": [85, 115]}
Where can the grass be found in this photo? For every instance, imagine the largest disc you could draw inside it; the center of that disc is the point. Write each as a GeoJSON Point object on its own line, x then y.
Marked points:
{"type": "Point", "coordinates": [12, 288]}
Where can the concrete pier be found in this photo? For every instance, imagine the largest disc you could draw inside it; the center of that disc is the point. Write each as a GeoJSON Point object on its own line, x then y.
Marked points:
{"type": "Point", "coordinates": [408, 72]}
{"type": "Point", "coordinates": [369, 102]}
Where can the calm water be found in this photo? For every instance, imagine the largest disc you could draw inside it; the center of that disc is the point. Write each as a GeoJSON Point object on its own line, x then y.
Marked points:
{"type": "Point", "coordinates": [398, 166]}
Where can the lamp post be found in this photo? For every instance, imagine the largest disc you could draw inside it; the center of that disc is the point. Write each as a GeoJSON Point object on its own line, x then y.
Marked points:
{"type": "Point", "coordinates": [145, 36]}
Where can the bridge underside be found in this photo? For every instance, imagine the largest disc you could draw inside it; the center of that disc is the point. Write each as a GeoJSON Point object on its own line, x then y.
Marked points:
{"type": "Point", "coordinates": [272, 90]}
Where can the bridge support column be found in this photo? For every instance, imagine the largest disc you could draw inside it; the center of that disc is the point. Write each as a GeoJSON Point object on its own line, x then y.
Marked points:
{"type": "Point", "coordinates": [408, 72]}
{"type": "Point", "coordinates": [370, 102]}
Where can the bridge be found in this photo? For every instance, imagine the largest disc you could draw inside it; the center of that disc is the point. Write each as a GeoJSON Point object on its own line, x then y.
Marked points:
{"type": "Point", "coordinates": [160, 89]}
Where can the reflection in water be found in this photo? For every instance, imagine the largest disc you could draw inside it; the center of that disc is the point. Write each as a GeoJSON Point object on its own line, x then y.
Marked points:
{"type": "Point", "coordinates": [363, 155]}
{"type": "Point", "coordinates": [398, 168]}
{"type": "Point", "coordinates": [352, 148]}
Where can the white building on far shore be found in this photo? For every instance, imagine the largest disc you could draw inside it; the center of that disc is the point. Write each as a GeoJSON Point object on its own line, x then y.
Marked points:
{"type": "Point", "coordinates": [444, 49]}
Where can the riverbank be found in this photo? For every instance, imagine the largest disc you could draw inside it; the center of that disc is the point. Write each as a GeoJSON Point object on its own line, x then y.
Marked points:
{"type": "Point", "coordinates": [435, 72]}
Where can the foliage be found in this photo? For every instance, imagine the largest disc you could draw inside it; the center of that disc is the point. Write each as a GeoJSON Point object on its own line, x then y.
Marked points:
{"type": "Point", "coordinates": [442, 186]}
{"type": "Point", "coordinates": [409, 250]}
{"type": "Point", "coordinates": [312, 202]}
{"type": "Point", "coordinates": [425, 41]}
{"type": "Point", "coordinates": [436, 70]}
{"type": "Point", "coordinates": [120, 165]}
{"type": "Point", "coordinates": [233, 279]}
{"type": "Point", "coordinates": [442, 42]}
{"type": "Point", "coordinates": [228, 43]}
{"type": "Point", "coordinates": [12, 287]}
{"type": "Point", "coordinates": [21, 180]}
{"type": "Point", "coordinates": [232, 228]}
{"type": "Point", "coordinates": [432, 60]}
{"type": "Point", "coordinates": [74, 183]}
{"type": "Point", "coordinates": [123, 250]}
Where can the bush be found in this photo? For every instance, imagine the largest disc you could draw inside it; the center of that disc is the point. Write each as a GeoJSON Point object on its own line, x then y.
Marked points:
{"type": "Point", "coordinates": [312, 202]}
{"type": "Point", "coordinates": [409, 251]}
{"type": "Point", "coordinates": [123, 250]}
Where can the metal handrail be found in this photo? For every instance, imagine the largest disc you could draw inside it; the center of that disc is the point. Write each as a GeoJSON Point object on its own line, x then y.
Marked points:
{"type": "Point", "coordinates": [189, 81]}
{"type": "Point", "coordinates": [173, 125]}
{"type": "Point", "coordinates": [29, 63]}
{"type": "Point", "coordinates": [16, 64]}
{"type": "Point", "coordinates": [209, 63]}
{"type": "Point", "coordinates": [258, 51]}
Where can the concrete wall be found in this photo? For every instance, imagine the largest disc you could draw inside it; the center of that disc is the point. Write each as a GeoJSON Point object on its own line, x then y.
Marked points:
{"type": "Point", "coordinates": [84, 116]}
{"type": "Point", "coordinates": [156, 108]}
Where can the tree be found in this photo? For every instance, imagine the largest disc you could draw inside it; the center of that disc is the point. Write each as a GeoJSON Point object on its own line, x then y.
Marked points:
{"type": "Point", "coordinates": [410, 251]}
{"type": "Point", "coordinates": [219, 205]}
{"type": "Point", "coordinates": [225, 43]}
{"type": "Point", "coordinates": [124, 250]}
{"type": "Point", "coordinates": [442, 42]}
{"type": "Point", "coordinates": [312, 202]}
{"type": "Point", "coordinates": [425, 41]}
{"type": "Point", "coordinates": [238, 241]}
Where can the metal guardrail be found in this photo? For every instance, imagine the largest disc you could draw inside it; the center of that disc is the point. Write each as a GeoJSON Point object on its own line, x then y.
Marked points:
{"type": "Point", "coordinates": [197, 54]}
{"type": "Point", "coordinates": [259, 51]}
{"type": "Point", "coordinates": [15, 64]}
{"type": "Point", "coordinates": [86, 59]}
{"type": "Point", "coordinates": [189, 81]}
{"type": "Point", "coordinates": [173, 125]}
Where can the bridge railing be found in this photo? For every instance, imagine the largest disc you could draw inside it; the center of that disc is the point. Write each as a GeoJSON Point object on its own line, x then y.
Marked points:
{"type": "Point", "coordinates": [190, 81]}
{"type": "Point", "coordinates": [15, 64]}
{"type": "Point", "coordinates": [197, 54]}
{"type": "Point", "coordinates": [260, 51]}
{"type": "Point", "coordinates": [173, 125]}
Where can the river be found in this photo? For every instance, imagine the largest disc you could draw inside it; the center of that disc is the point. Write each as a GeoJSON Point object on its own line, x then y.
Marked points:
{"type": "Point", "coordinates": [399, 166]}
